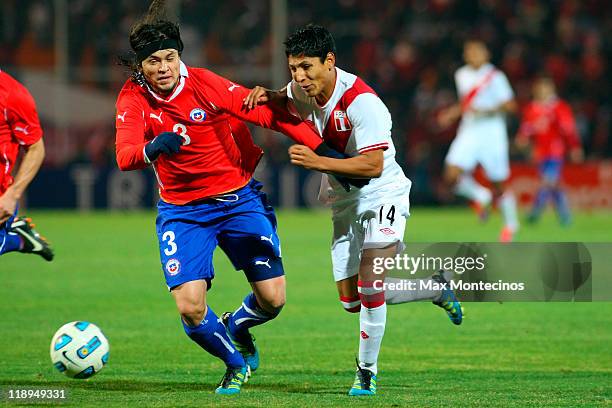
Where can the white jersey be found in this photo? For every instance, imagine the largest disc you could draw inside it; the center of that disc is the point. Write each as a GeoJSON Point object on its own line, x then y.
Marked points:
{"type": "Point", "coordinates": [491, 94]}
{"type": "Point", "coordinates": [354, 121]}
{"type": "Point", "coordinates": [482, 139]}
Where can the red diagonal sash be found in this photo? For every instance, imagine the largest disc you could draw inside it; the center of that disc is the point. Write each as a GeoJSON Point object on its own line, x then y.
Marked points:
{"type": "Point", "coordinates": [469, 97]}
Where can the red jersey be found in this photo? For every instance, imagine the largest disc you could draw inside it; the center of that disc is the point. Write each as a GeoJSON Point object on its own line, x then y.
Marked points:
{"type": "Point", "coordinates": [218, 154]}
{"type": "Point", "coordinates": [19, 125]}
{"type": "Point", "coordinates": [552, 127]}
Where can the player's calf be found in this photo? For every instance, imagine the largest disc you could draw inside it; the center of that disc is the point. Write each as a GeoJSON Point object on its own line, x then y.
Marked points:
{"type": "Point", "coordinates": [351, 304]}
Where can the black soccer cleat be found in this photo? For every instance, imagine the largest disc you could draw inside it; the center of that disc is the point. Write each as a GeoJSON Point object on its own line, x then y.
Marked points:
{"type": "Point", "coordinates": [33, 243]}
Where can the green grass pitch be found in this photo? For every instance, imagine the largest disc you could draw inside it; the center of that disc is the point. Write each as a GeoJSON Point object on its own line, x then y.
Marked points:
{"type": "Point", "coordinates": [107, 271]}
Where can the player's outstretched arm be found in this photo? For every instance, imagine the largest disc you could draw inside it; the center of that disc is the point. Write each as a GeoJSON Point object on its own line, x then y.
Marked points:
{"type": "Point", "coordinates": [229, 97]}
{"type": "Point", "coordinates": [260, 95]}
{"type": "Point", "coordinates": [366, 165]}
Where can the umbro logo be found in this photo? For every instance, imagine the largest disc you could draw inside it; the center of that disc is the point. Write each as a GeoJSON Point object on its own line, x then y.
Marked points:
{"type": "Point", "coordinates": [387, 231]}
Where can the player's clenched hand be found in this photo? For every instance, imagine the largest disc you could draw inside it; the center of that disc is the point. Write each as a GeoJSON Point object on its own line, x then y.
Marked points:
{"type": "Point", "coordinates": [167, 143]}
{"type": "Point", "coordinates": [303, 156]}
{"type": "Point", "coordinates": [8, 204]}
{"type": "Point", "coordinates": [258, 95]}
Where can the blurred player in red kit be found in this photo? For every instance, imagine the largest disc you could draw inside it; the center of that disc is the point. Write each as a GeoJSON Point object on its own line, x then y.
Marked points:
{"type": "Point", "coordinates": [19, 127]}
{"type": "Point", "coordinates": [549, 126]}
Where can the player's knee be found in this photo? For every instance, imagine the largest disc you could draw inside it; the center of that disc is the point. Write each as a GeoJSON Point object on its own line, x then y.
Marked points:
{"type": "Point", "coordinates": [192, 313]}
{"type": "Point", "coordinates": [274, 305]}
{"type": "Point", "coordinates": [351, 304]}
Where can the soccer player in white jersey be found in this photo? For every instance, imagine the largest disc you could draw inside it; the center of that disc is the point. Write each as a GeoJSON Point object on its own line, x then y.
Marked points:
{"type": "Point", "coordinates": [485, 97]}
{"type": "Point", "coordinates": [368, 222]}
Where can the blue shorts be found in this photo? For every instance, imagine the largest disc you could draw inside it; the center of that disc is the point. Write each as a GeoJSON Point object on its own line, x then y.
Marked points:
{"type": "Point", "coordinates": [242, 224]}
{"type": "Point", "coordinates": [550, 170]}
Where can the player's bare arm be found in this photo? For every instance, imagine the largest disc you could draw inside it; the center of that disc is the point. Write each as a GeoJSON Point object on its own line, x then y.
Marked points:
{"type": "Point", "coordinates": [450, 115]}
{"type": "Point", "coordinates": [506, 107]}
{"type": "Point", "coordinates": [32, 159]}
{"type": "Point", "coordinates": [365, 165]}
{"type": "Point", "coordinates": [260, 95]}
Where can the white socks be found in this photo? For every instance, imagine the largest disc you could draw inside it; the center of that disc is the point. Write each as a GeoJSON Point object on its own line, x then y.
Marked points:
{"type": "Point", "coordinates": [469, 188]}
{"type": "Point", "coordinates": [507, 207]}
{"type": "Point", "coordinates": [372, 328]}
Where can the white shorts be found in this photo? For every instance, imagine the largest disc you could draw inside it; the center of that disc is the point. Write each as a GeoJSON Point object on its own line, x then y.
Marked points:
{"type": "Point", "coordinates": [490, 151]}
{"type": "Point", "coordinates": [379, 226]}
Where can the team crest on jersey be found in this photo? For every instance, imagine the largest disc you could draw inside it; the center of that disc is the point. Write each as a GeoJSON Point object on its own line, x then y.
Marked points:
{"type": "Point", "coordinates": [341, 121]}
{"type": "Point", "coordinates": [173, 266]}
{"type": "Point", "coordinates": [197, 115]}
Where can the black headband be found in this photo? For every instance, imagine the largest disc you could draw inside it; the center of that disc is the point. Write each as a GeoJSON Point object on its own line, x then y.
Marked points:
{"type": "Point", "coordinates": [154, 46]}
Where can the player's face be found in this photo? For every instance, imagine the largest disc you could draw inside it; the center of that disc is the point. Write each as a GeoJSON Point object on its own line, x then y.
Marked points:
{"type": "Point", "coordinates": [475, 54]}
{"type": "Point", "coordinates": [543, 89]}
{"type": "Point", "coordinates": [315, 77]}
{"type": "Point", "coordinates": [161, 70]}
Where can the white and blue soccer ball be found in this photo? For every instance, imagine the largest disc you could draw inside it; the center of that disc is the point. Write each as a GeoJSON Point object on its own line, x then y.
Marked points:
{"type": "Point", "coordinates": [79, 349]}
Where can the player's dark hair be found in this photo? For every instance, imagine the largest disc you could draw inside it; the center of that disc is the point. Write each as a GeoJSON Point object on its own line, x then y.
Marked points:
{"type": "Point", "coordinates": [476, 40]}
{"type": "Point", "coordinates": [151, 33]}
{"type": "Point", "coordinates": [310, 41]}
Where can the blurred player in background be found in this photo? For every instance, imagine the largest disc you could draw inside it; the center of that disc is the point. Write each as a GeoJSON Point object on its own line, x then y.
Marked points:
{"type": "Point", "coordinates": [186, 124]}
{"type": "Point", "coordinates": [548, 124]}
{"type": "Point", "coordinates": [485, 97]}
{"type": "Point", "coordinates": [369, 222]}
{"type": "Point", "coordinates": [19, 126]}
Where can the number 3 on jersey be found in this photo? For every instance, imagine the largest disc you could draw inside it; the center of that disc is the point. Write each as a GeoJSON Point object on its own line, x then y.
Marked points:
{"type": "Point", "coordinates": [182, 131]}
{"type": "Point", "coordinates": [172, 247]}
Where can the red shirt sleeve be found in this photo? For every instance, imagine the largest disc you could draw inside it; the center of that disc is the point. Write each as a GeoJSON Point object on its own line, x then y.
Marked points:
{"type": "Point", "coordinates": [22, 117]}
{"type": "Point", "coordinates": [130, 132]}
{"type": "Point", "coordinates": [228, 96]}
{"type": "Point", "coordinates": [526, 128]}
{"type": "Point", "coordinates": [567, 124]}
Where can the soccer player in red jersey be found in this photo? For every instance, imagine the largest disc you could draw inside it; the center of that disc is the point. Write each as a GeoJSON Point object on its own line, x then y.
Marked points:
{"type": "Point", "coordinates": [548, 124]}
{"type": "Point", "coordinates": [19, 127]}
{"type": "Point", "coordinates": [186, 123]}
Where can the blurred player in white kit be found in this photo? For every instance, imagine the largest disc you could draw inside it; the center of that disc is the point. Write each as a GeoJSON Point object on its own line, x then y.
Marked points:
{"type": "Point", "coordinates": [485, 97]}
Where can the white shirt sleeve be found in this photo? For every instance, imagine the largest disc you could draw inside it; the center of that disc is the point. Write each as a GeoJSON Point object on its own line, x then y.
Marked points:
{"type": "Point", "coordinates": [371, 123]}
{"type": "Point", "coordinates": [502, 87]}
{"type": "Point", "coordinates": [460, 84]}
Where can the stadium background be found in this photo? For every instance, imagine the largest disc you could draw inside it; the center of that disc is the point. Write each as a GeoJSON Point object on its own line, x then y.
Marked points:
{"type": "Point", "coordinates": [107, 266]}
{"type": "Point", "coordinates": [65, 51]}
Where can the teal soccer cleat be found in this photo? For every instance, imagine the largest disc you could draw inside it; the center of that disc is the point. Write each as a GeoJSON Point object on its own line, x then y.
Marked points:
{"type": "Point", "coordinates": [364, 384]}
{"type": "Point", "coordinates": [232, 380]}
{"type": "Point", "coordinates": [246, 347]}
{"type": "Point", "coordinates": [448, 301]}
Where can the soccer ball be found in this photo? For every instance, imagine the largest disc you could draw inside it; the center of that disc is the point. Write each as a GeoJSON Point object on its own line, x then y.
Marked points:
{"type": "Point", "coordinates": [79, 349]}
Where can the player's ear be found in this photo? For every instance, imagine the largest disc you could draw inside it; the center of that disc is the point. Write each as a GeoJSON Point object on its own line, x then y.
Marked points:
{"type": "Point", "coordinates": [330, 60]}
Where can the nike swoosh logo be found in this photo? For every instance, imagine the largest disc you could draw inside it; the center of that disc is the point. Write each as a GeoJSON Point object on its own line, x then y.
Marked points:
{"type": "Point", "coordinates": [37, 246]}
{"type": "Point", "coordinates": [67, 358]}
